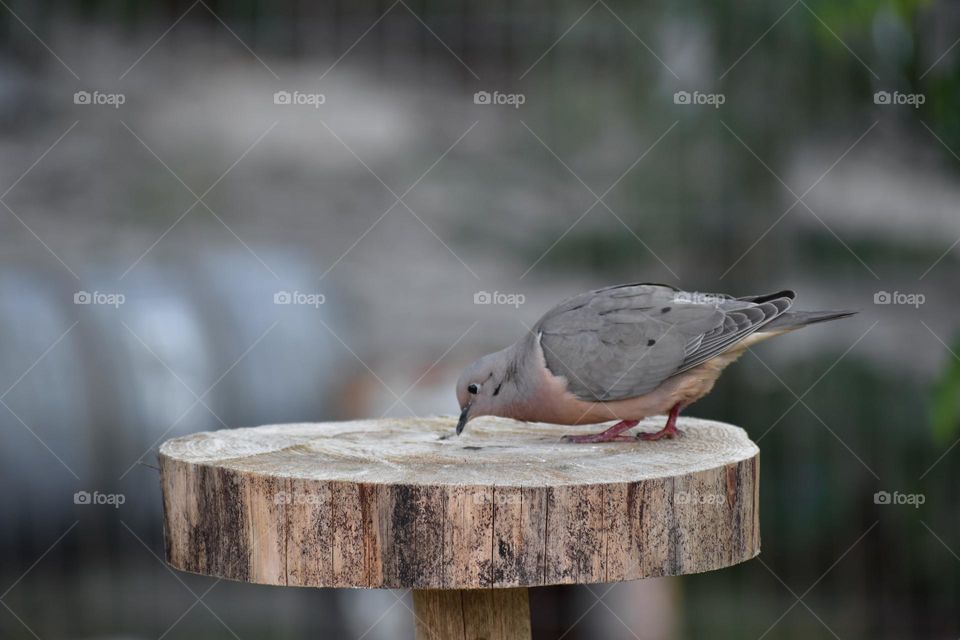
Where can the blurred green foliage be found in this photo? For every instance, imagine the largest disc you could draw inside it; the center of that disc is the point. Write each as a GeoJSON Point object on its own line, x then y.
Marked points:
{"type": "Point", "coordinates": [945, 401]}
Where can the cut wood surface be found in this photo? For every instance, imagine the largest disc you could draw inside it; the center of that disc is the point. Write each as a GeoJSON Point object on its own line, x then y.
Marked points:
{"type": "Point", "coordinates": [404, 503]}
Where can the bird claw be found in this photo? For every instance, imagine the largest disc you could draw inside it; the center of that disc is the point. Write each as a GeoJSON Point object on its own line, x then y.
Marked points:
{"type": "Point", "coordinates": [596, 438]}
{"type": "Point", "coordinates": [613, 434]}
{"type": "Point", "coordinates": [669, 434]}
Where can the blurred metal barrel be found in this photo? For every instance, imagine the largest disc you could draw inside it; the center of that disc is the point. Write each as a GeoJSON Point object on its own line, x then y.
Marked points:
{"type": "Point", "coordinates": [94, 374]}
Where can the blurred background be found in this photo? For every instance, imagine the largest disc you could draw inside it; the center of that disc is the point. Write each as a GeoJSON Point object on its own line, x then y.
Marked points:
{"type": "Point", "coordinates": [225, 214]}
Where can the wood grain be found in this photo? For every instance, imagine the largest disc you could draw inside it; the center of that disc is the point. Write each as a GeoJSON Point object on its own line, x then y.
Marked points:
{"type": "Point", "coordinates": [403, 504]}
{"type": "Point", "coordinates": [458, 614]}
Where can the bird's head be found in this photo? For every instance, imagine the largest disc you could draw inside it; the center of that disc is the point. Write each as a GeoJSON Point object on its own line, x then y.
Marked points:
{"type": "Point", "coordinates": [483, 388]}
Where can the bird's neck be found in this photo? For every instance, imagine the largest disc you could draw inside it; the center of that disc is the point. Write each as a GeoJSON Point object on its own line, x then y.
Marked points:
{"type": "Point", "coordinates": [520, 376]}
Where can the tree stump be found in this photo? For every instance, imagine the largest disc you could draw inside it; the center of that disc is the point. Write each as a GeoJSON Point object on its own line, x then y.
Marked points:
{"type": "Point", "coordinates": [506, 506]}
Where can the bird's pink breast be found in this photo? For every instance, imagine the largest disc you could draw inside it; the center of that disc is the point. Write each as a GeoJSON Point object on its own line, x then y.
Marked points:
{"type": "Point", "coordinates": [551, 401]}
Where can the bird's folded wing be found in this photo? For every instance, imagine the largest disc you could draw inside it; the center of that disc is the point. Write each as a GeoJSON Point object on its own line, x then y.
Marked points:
{"type": "Point", "coordinates": [624, 341]}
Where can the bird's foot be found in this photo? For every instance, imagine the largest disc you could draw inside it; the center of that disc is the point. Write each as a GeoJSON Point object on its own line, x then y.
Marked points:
{"type": "Point", "coordinates": [597, 437]}
{"type": "Point", "coordinates": [670, 431]}
{"type": "Point", "coordinates": [610, 435]}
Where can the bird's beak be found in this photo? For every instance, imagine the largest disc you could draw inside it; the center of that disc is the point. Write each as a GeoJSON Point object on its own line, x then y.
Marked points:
{"type": "Point", "coordinates": [463, 417]}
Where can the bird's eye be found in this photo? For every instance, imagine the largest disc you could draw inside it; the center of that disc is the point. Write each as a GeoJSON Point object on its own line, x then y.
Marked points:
{"type": "Point", "coordinates": [474, 389]}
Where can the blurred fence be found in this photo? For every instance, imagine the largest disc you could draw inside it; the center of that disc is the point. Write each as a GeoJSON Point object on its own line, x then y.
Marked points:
{"type": "Point", "coordinates": [103, 395]}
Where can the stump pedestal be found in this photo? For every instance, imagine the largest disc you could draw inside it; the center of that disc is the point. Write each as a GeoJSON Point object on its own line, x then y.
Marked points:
{"type": "Point", "coordinates": [467, 522]}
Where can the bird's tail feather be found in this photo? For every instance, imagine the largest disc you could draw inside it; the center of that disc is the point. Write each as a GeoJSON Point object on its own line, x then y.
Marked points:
{"type": "Point", "coordinates": [796, 319]}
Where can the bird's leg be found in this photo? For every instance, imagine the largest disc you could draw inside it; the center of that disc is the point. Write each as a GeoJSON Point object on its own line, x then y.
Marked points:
{"type": "Point", "coordinates": [610, 435]}
{"type": "Point", "coordinates": [668, 431]}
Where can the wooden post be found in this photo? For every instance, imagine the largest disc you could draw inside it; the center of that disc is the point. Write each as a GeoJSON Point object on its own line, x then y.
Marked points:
{"type": "Point", "coordinates": [466, 522]}
{"type": "Point", "coordinates": [469, 614]}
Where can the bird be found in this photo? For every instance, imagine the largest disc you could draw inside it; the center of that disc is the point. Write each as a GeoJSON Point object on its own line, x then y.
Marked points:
{"type": "Point", "coordinates": [624, 353]}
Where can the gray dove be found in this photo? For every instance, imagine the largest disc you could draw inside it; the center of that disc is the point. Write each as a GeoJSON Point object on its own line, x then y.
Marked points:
{"type": "Point", "coordinates": [624, 353]}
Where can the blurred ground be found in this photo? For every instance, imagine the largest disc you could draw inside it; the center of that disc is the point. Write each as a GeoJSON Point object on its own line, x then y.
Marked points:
{"type": "Point", "coordinates": [385, 213]}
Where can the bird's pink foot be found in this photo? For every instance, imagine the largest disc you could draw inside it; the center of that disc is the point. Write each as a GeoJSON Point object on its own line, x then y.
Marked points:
{"type": "Point", "coordinates": [668, 431]}
{"type": "Point", "coordinates": [610, 435]}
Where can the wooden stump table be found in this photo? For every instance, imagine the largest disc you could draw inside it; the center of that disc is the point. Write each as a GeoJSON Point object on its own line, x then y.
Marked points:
{"type": "Point", "coordinates": [469, 522]}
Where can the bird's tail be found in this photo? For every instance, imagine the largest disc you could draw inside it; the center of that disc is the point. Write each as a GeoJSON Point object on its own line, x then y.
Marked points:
{"type": "Point", "coordinates": [795, 319]}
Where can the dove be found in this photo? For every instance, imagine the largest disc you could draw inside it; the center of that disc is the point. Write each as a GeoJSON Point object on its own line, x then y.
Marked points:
{"type": "Point", "coordinates": [624, 353]}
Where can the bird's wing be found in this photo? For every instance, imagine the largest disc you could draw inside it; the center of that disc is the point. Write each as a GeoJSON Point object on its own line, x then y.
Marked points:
{"type": "Point", "coordinates": [623, 341]}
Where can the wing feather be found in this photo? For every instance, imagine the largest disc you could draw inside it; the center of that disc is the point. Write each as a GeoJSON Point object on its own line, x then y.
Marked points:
{"type": "Point", "coordinates": [624, 341]}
